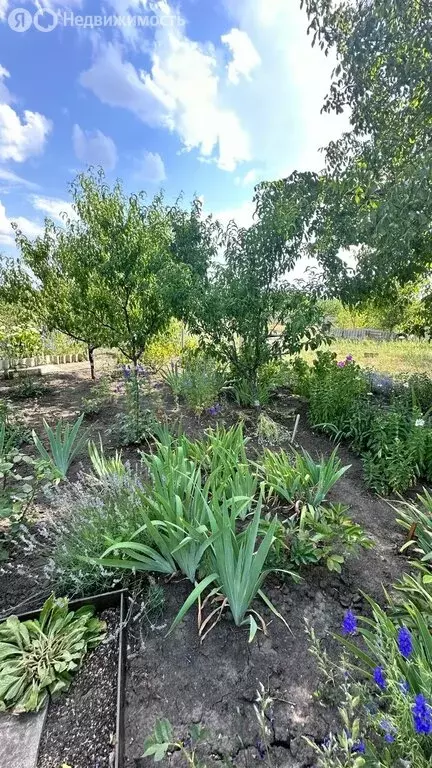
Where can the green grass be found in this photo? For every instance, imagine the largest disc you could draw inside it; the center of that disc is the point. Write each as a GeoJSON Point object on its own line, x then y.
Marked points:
{"type": "Point", "coordinates": [391, 357]}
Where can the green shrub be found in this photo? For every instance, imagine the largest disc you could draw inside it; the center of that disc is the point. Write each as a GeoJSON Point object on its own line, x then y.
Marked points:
{"type": "Point", "coordinates": [393, 440]}
{"type": "Point", "coordinates": [323, 534]}
{"type": "Point", "coordinates": [64, 445]}
{"type": "Point", "coordinates": [297, 477]}
{"type": "Point", "coordinates": [38, 657]}
{"type": "Point", "coordinates": [28, 387]}
{"type": "Point", "coordinates": [394, 449]}
{"type": "Point", "coordinates": [17, 489]}
{"type": "Point", "coordinates": [20, 341]}
{"type": "Point", "coordinates": [333, 389]}
{"type": "Point", "coordinates": [99, 397]}
{"type": "Point", "coordinates": [199, 382]}
{"type": "Point", "coordinates": [90, 516]}
{"type": "Point", "coordinates": [168, 346]}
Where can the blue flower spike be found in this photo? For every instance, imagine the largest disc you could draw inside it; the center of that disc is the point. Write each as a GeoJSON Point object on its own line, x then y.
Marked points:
{"type": "Point", "coordinates": [404, 642]}
{"type": "Point", "coordinates": [379, 678]}
{"type": "Point", "coordinates": [349, 624]}
{"type": "Point", "coordinates": [422, 715]}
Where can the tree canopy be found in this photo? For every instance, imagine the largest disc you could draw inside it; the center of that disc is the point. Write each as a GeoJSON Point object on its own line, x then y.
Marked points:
{"type": "Point", "coordinates": [377, 188]}
{"type": "Point", "coordinates": [116, 271]}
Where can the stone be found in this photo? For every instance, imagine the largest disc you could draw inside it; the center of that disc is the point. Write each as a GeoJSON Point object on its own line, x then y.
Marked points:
{"type": "Point", "coordinates": [19, 739]}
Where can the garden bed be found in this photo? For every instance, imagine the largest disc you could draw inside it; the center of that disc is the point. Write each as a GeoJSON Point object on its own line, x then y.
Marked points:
{"type": "Point", "coordinates": [213, 684]}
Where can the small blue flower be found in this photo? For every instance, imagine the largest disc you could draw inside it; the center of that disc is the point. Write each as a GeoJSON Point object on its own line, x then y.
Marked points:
{"type": "Point", "coordinates": [359, 747]}
{"type": "Point", "coordinates": [214, 410]}
{"type": "Point", "coordinates": [404, 642]}
{"type": "Point", "coordinates": [379, 678]}
{"type": "Point", "coordinates": [349, 624]}
{"type": "Point", "coordinates": [389, 729]}
{"type": "Point", "coordinates": [422, 715]}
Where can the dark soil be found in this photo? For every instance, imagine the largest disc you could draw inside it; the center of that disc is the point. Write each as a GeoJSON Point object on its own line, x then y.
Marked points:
{"type": "Point", "coordinates": [215, 683]}
{"type": "Point", "coordinates": [80, 725]}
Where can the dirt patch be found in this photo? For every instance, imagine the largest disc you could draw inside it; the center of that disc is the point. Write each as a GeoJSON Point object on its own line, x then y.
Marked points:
{"type": "Point", "coordinates": [80, 725]}
{"type": "Point", "coordinates": [215, 683]}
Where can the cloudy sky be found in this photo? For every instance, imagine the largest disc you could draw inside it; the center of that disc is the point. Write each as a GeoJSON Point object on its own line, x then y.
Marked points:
{"type": "Point", "coordinates": [199, 96]}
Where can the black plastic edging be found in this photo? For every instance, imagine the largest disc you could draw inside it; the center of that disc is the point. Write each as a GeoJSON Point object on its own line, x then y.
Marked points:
{"type": "Point", "coordinates": [102, 602]}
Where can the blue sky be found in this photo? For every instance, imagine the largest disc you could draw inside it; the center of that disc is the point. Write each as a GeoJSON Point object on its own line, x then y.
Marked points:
{"type": "Point", "coordinates": [203, 96]}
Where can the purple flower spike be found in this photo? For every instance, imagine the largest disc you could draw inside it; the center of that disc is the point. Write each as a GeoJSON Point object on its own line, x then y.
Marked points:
{"type": "Point", "coordinates": [341, 364]}
{"type": "Point", "coordinates": [359, 747]}
{"type": "Point", "coordinates": [349, 624]}
{"type": "Point", "coordinates": [379, 678]}
{"type": "Point", "coordinates": [404, 642]}
{"type": "Point", "coordinates": [214, 410]}
{"type": "Point", "coordinates": [422, 715]}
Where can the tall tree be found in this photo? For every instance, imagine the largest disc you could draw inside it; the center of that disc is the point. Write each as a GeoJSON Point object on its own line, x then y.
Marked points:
{"type": "Point", "coordinates": [54, 278]}
{"type": "Point", "coordinates": [377, 193]}
{"type": "Point", "coordinates": [247, 295]}
{"type": "Point", "coordinates": [113, 274]}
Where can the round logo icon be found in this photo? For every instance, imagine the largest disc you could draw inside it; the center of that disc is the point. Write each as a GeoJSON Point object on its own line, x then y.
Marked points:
{"type": "Point", "coordinates": [45, 20]}
{"type": "Point", "coordinates": [20, 20]}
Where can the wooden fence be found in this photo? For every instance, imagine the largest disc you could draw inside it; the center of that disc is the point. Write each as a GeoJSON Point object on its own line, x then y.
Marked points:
{"type": "Point", "coordinates": [364, 333]}
{"type": "Point", "coordinates": [17, 364]}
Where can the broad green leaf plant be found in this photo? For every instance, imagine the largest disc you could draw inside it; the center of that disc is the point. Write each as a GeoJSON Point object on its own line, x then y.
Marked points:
{"type": "Point", "coordinates": [39, 657]}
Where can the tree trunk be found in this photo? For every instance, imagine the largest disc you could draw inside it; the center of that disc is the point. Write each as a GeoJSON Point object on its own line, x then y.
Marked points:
{"type": "Point", "coordinates": [91, 361]}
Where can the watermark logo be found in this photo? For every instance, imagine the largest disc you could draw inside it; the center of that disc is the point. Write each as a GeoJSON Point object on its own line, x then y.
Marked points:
{"type": "Point", "coordinates": [45, 20]}
{"type": "Point", "coordinates": [20, 20]}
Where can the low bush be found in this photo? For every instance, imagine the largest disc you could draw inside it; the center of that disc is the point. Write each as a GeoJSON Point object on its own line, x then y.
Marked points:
{"type": "Point", "coordinates": [100, 396]}
{"type": "Point", "coordinates": [29, 387]}
{"type": "Point", "coordinates": [17, 486]}
{"type": "Point", "coordinates": [169, 346]}
{"type": "Point", "coordinates": [199, 381]}
{"type": "Point", "coordinates": [296, 477]}
{"type": "Point", "coordinates": [385, 691]}
{"type": "Point", "coordinates": [90, 516]}
{"type": "Point", "coordinates": [312, 535]}
{"type": "Point", "coordinates": [38, 657]}
{"type": "Point", "coordinates": [394, 440]}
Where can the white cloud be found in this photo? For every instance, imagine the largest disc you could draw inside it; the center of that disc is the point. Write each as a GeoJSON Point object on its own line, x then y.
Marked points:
{"type": "Point", "coordinates": [94, 148]}
{"type": "Point", "coordinates": [244, 55]}
{"type": "Point", "coordinates": [19, 139]}
{"type": "Point", "coordinates": [251, 177]}
{"type": "Point", "coordinates": [150, 167]}
{"type": "Point", "coordinates": [12, 179]}
{"type": "Point", "coordinates": [28, 227]}
{"type": "Point", "coordinates": [4, 92]}
{"type": "Point", "coordinates": [3, 9]}
{"type": "Point", "coordinates": [53, 207]}
{"type": "Point", "coordinates": [256, 96]}
{"type": "Point", "coordinates": [241, 214]}
{"type": "Point", "coordinates": [180, 92]}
